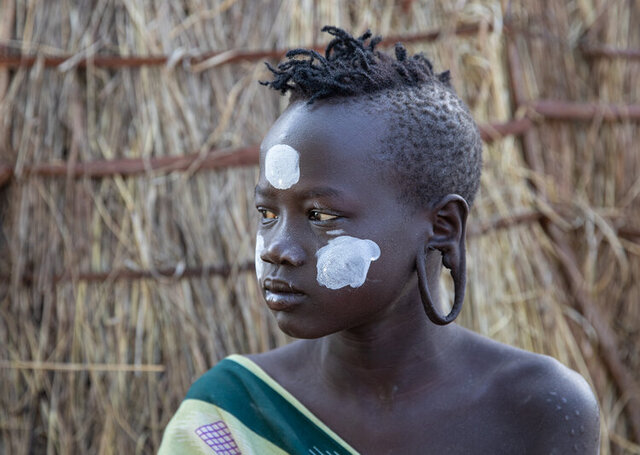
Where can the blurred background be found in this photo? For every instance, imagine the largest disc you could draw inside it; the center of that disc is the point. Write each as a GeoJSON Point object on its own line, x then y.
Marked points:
{"type": "Point", "coordinates": [128, 151]}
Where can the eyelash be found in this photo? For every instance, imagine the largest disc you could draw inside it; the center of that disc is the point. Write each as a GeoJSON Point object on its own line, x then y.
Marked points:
{"type": "Point", "coordinates": [314, 215]}
{"type": "Point", "coordinates": [267, 215]}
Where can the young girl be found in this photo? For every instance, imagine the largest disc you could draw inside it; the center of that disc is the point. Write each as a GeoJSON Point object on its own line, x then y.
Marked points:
{"type": "Point", "coordinates": [365, 185]}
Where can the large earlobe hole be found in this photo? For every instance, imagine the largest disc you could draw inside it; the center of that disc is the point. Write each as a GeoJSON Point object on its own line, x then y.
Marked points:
{"type": "Point", "coordinates": [433, 313]}
{"type": "Point", "coordinates": [446, 287]}
{"type": "Point", "coordinates": [450, 217]}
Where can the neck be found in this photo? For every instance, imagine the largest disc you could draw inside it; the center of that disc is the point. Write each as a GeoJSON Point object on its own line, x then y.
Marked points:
{"type": "Point", "coordinates": [398, 354]}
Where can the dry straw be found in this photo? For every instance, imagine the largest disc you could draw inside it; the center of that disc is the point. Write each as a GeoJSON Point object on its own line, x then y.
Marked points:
{"type": "Point", "coordinates": [119, 291]}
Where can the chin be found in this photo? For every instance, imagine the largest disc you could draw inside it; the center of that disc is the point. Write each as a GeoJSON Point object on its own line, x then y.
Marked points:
{"type": "Point", "coordinates": [298, 329]}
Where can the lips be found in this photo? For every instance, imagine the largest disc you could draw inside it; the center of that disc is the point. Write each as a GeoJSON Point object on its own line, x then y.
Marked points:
{"type": "Point", "coordinates": [281, 295]}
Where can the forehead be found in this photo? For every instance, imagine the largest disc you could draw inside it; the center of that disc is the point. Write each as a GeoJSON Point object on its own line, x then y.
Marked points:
{"type": "Point", "coordinates": [329, 134]}
{"type": "Point", "coordinates": [339, 156]}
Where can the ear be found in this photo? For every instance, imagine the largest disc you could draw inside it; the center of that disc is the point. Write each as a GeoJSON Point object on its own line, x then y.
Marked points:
{"type": "Point", "coordinates": [449, 226]}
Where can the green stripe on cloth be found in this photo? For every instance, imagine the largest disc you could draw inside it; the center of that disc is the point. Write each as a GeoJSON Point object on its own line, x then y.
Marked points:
{"type": "Point", "coordinates": [241, 388]}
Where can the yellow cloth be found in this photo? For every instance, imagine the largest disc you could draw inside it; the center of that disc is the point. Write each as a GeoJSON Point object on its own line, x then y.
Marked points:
{"type": "Point", "coordinates": [237, 408]}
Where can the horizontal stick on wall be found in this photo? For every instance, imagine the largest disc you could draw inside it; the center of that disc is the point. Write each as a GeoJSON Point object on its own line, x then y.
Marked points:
{"type": "Point", "coordinates": [506, 222]}
{"type": "Point", "coordinates": [629, 233]}
{"type": "Point", "coordinates": [11, 59]}
{"type": "Point", "coordinates": [603, 51]}
{"type": "Point", "coordinates": [74, 367]}
{"type": "Point", "coordinates": [565, 110]}
{"type": "Point", "coordinates": [177, 272]}
{"type": "Point", "coordinates": [244, 156]}
{"type": "Point", "coordinates": [491, 132]}
{"type": "Point", "coordinates": [224, 271]}
{"type": "Point", "coordinates": [214, 159]}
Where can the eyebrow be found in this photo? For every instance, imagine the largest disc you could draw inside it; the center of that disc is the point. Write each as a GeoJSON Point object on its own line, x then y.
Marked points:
{"type": "Point", "coordinates": [316, 192]}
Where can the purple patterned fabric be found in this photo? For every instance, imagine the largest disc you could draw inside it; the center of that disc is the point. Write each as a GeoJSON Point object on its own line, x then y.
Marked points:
{"type": "Point", "coordinates": [217, 436]}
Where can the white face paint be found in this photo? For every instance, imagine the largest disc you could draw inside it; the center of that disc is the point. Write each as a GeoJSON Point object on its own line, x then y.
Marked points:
{"type": "Point", "coordinates": [336, 232]}
{"type": "Point", "coordinates": [281, 166]}
{"type": "Point", "coordinates": [345, 261]}
{"type": "Point", "coordinates": [258, 261]}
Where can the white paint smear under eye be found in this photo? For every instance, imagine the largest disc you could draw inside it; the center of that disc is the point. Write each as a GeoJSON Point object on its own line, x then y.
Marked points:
{"type": "Point", "coordinates": [282, 166]}
{"type": "Point", "coordinates": [336, 232]}
{"type": "Point", "coordinates": [258, 261]}
{"type": "Point", "coordinates": [345, 261]}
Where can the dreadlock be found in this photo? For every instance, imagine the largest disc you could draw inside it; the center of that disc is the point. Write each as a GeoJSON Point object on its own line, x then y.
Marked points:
{"type": "Point", "coordinates": [433, 143]}
{"type": "Point", "coordinates": [350, 67]}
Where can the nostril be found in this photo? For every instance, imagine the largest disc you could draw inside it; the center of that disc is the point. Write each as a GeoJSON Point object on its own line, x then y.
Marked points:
{"type": "Point", "coordinates": [283, 252]}
{"type": "Point", "coordinates": [265, 256]}
{"type": "Point", "coordinates": [294, 261]}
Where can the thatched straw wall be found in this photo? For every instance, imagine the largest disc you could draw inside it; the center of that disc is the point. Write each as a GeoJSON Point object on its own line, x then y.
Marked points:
{"type": "Point", "coordinates": [126, 273]}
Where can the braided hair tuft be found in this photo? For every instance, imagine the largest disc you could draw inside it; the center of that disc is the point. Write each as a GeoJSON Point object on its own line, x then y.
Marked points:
{"type": "Point", "coordinates": [350, 67]}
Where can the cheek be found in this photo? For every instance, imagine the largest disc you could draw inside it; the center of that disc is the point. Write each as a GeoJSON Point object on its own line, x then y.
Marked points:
{"type": "Point", "coordinates": [258, 261]}
{"type": "Point", "coordinates": [282, 166]}
{"type": "Point", "coordinates": [345, 261]}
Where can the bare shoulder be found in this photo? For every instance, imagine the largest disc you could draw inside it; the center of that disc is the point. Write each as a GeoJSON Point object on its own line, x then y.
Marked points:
{"type": "Point", "coordinates": [553, 403]}
{"type": "Point", "coordinates": [565, 408]}
{"type": "Point", "coordinates": [283, 362]}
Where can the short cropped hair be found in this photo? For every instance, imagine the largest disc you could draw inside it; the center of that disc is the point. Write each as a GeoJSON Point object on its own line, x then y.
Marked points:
{"type": "Point", "coordinates": [433, 143]}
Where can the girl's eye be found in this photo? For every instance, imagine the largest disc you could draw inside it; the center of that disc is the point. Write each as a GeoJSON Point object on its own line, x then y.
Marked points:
{"type": "Point", "coordinates": [267, 214]}
{"type": "Point", "coordinates": [317, 215]}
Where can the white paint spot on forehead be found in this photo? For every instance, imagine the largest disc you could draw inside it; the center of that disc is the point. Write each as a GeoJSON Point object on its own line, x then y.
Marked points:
{"type": "Point", "coordinates": [281, 166]}
{"type": "Point", "coordinates": [258, 261]}
{"type": "Point", "coordinates": [345, 261]}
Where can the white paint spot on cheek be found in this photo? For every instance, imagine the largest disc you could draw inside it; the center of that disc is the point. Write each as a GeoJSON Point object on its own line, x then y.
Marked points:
{"type": "Point", "coordinates": [345, 261]}
{"type": "Point", "coordinates": [335, 232]}
{"type": "Point", "coordinates": [281, 166]}
{"type": "Point", "coordinates": [258, 261]}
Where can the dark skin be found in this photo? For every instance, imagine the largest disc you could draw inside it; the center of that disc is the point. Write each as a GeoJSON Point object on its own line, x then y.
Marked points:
{"type": "Point", "coordinates": [371, 365]}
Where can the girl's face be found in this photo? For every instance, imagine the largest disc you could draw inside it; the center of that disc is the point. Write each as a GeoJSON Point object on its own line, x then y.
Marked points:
{"type": "Point", "coordinates": [336, 248]}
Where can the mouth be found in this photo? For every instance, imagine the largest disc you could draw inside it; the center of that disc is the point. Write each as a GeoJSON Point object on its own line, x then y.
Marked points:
{"type": "Point", "coordinates": [281, 295]}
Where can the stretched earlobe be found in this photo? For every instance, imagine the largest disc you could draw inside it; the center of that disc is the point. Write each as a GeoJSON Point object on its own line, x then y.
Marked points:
{"type": "Point", "coordinates": [459, 283]}
{"type": "Point", "coordinates": [450, 241]}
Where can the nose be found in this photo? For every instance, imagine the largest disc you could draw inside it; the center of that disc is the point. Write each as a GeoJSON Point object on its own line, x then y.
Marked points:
{"type": "Point", "coordinates": [282, 249]}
